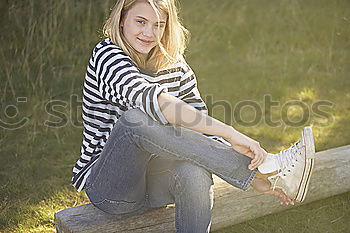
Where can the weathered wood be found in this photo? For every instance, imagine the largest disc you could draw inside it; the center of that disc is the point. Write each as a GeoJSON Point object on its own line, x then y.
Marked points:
{"type": "Point", "coordinates": [232, 206]}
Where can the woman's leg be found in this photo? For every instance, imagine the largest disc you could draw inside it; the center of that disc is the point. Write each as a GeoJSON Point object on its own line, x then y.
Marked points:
{"type": "Point", "coordinates": [175, 142]}
{"type": "Point", "coordinates": [194, 198]}
{"type": "Point", "coordinates": [116, 183]}
{"type": "Point", "coordinates": [187, 185]}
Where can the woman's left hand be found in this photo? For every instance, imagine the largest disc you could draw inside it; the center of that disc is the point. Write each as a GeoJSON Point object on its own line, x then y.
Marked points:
{"type": "Point", "coordinates": [249, 147]}
{"type": "Point", "coordinates": [255, 152]}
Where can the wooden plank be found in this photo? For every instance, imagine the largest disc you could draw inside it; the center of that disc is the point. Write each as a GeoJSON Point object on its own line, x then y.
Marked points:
{"type": "Point", "coordinates": [232, 206]}
{"type": "Point", "coordinates": [88, 219]}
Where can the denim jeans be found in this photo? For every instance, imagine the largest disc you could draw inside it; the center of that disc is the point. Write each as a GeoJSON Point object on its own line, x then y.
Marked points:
{"type": "Point", "coordinates": [145, 165]}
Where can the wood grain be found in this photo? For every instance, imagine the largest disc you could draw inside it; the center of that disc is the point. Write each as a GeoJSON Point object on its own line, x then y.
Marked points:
{"type": "Point", "coordinates": [330, 177]}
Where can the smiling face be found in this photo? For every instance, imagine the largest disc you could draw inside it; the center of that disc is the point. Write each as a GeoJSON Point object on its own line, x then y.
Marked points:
{"type": "Point", "coordinates": [140, 27]}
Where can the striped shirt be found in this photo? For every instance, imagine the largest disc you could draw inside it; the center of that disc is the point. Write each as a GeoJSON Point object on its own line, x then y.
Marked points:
{"type": "Point", "coordinates": [114, 84]}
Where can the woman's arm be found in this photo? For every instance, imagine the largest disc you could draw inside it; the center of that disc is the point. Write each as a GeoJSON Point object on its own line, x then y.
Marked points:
{"type": "Point", "coordinates": [179, 113]}
{"type": "Point", "coordinates": [189, 93]}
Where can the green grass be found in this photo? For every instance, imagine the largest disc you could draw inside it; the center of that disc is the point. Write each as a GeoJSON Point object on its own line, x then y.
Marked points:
{"type": "Point", "coordinates": [288, 49]}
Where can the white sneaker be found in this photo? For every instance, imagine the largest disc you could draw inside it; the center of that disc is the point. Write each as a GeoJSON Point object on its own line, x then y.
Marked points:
{"type": "Point", "coordinates": [296, 165]}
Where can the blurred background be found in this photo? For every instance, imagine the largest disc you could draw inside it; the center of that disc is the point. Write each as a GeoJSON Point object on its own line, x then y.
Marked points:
{"type": "Point", "coordinates": [267, 67]}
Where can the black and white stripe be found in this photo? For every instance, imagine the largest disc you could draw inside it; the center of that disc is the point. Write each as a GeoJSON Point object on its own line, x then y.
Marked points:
{"type": "Point", "coordinates": [113, 84]}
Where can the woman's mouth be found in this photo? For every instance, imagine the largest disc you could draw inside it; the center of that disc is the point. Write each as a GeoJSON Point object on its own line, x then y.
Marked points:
{"type": "Point", "coordinates": [145, 42]}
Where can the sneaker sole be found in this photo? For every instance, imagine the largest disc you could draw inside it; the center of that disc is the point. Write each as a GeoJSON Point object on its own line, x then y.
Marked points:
{"type": "Point", "coordinates": [309, 163]}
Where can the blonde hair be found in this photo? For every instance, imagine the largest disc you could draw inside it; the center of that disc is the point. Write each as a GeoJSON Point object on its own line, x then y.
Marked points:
{"type": "Point", "coordinates": [170, 47]}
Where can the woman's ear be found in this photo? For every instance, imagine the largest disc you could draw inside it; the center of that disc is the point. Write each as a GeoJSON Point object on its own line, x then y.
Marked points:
{"type": "Point", "coordinates": [121, 23]}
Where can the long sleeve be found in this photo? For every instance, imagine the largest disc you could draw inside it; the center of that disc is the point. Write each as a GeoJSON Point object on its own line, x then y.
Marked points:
{"type": "Point", "coordinates": [189, 92]}
{"type": "Point", "coordinates": [120, 82]}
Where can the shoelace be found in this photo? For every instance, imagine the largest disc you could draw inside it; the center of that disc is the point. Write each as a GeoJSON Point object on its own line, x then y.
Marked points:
{"type": "Point", "coordinates": [285, 161]}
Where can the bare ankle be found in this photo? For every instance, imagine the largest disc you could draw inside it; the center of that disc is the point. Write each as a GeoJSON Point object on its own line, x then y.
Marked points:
{"type": "Point", "coordinates": [261, 185]}
{"type": "Point", "coordinates": [259, 175]}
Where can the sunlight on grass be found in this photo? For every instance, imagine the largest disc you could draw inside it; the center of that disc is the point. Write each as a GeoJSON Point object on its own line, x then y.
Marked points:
{"type": "Point", "coordinates": [240, 50]}
{"type": "Point", "coordinates": [307, 94]}
{"type": "Point", "coordinates": [39, 217]}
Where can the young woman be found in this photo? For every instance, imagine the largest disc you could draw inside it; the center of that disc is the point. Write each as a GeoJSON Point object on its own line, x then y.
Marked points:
{"type": "Point", "coordinates": [148, 140]}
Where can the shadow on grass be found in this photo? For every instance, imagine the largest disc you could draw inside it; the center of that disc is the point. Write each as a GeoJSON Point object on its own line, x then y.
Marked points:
{"type": "Point", "coordinates": [276, 48]}
{"type": "Point", "coordinates": [35, 182]}
{"type": "Point", "coordinates": [35, 176]}
{"type": "Point", "coordinates": [327, 215]}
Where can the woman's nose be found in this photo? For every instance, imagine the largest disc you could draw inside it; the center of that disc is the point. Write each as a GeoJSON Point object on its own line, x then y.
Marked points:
{"type": "Point", "coordinates": [147, 31]}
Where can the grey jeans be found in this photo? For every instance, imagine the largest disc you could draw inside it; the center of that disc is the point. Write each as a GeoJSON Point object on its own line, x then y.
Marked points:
{"type": "Point", "coordinates": [145, 165]}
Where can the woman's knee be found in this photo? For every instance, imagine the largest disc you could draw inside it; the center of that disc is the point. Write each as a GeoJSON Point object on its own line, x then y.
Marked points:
{"type": "Point", "coordinates": [192, 179]}
{"type": "Point", "coordinates": [129, 121]}
{"type": "Point", "coordinates": [134, 119]}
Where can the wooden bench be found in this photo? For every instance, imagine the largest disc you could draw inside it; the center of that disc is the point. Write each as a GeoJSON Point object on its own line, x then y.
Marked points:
{"type": "Point", "coordinates": [331, 176]}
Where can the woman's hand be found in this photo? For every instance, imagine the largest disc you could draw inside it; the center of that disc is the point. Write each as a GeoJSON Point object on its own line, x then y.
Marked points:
{"type": "Point", "coordinates": [249, 147]}
{"type": "Point", "coordinates": [264, 186]}
{"type": "Point", "coordinates": [284, 199]}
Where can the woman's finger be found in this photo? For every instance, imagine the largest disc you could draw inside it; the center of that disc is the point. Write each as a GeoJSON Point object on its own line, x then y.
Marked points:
{"type": "Point", "coordinates": [261, 156]}
{"type": "Point", "coordinates": [283, 198]}
{"type": "Point", "coordinates": [253, 163]}
{"type": "Point", "coordinates": [258, 159]}
{"type": "Point", "coordinates": [254, 160]}
{"type": "Point", "coordinates": [286, 199]}
{"type": "Point", "coordinates": [256, 155]}
{"type": "Point", "coordinates": [261, 160]}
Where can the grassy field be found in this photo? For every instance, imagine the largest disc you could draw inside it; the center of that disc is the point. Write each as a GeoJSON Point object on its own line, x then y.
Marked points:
{"type": "Point", "coordinates": [279, 49]}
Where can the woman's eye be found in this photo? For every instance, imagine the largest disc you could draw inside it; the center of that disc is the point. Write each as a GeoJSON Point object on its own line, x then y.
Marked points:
{"type": "Point", "coordinates": [159, 25]}
{"type": "Point", "coordinates": [140, 21]}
